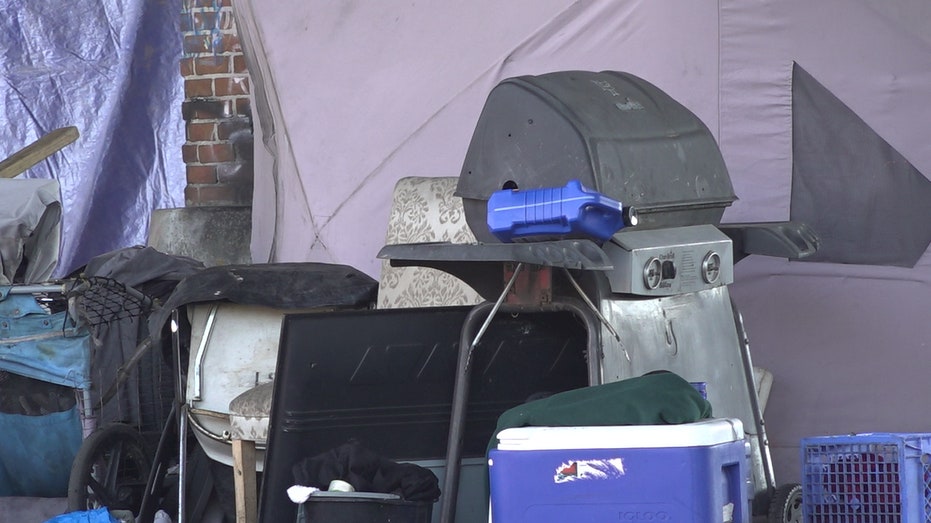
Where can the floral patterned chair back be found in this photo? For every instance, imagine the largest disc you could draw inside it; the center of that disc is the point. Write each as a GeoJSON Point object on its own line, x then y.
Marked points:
{"type": "Point", "coordinates": [424, 210]}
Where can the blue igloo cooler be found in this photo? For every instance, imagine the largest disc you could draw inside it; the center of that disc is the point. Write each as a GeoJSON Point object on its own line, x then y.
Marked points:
{"type": "Point", "coordinates": [696, 472]}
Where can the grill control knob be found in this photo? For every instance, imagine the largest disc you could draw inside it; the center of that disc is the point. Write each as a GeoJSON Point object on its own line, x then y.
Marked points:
{"type": "Point", "coordinates": [711, 267]}
{"type": "Point", "coordinates": [652, 273]}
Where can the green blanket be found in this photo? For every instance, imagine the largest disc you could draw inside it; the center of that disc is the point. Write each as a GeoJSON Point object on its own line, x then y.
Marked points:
{"type": "Point", "coordinates": [657, 398]}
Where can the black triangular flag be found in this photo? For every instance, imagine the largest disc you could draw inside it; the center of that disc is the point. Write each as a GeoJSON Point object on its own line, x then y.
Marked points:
{"type": "Point", "coordinates": [868, 204]}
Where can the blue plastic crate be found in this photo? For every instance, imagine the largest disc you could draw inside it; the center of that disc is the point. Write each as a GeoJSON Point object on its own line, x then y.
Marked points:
{"type": "Point", "coordinates": [869, 478]}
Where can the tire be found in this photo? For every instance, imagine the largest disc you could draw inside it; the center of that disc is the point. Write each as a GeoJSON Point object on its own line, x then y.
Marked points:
{"type": "Point", "coordinates": [110, 470]}
{"type": "Point", "coordinates": [786, 504]}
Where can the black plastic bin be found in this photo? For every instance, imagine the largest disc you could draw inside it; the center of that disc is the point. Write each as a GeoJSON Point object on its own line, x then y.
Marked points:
{"type": "Point", "coordinates": [362, 507]}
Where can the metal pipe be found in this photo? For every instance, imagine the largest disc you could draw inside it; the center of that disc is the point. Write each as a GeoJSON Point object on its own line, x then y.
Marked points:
{"type": "Point", "coordinates": [182, 467]}
{"type": "Point", "coordinates": [182, 414]}
{"type": "Point", "coordinates": [457, 418]}
{"type": "Point", "coordinates": [152, 492]}
{"type": "Point", "coordinates": [601, 317]}
{"type": "Point", "coordinates": [37, 289]}
{"type": "Point", "coordinates": [123, 373]}
{"type": "Point", "coordinates": [762, 439]}
{"type": "Point", "coordinates": [494, 310]}
{"type": "Point", "coordinates": [604, 321]}
{"type": "Point", "coordinates": [88, 419]}
{"type": "Point", "coordinates": [201, 354]}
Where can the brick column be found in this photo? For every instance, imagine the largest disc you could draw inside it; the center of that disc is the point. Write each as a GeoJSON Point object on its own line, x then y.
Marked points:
{"type": "Point", "coordinates": [218, 150]}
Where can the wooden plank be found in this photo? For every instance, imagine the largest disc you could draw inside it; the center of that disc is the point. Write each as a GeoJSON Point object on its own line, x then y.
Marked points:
{"type": "Point", "coordinates": [244, 481]}
{"type": "Point", "coordinates": [37, 151]}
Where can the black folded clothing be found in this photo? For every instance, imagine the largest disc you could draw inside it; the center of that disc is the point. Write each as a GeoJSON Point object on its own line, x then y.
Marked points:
{"type": "Point", "coordinates": [367, 472]}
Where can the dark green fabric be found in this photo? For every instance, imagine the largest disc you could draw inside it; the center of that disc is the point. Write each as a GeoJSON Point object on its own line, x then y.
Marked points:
{"type": "Point", "coordinates": [658, 398]}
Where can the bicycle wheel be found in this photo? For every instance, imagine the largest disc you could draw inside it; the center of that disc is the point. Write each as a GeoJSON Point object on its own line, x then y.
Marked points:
{"type": "Point", "coordinates": [110, 470]}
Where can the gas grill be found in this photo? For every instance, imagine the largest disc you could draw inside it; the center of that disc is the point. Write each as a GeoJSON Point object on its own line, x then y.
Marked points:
{"type": "Point", "coordinates": [655, 294]}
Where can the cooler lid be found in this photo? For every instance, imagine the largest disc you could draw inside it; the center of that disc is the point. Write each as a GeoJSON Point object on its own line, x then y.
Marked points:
{"type": "Point", "coordinates": [703, 433]}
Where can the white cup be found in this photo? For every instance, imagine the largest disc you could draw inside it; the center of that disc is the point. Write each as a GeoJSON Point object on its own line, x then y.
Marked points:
{"type": "Point", "coordinates": [338, 485]}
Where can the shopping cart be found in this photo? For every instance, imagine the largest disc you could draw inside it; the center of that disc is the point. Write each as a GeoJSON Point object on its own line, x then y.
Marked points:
{"type": "Point", "coordinates": [133, 385]}
{"type": "Point", "coordinates": [112, 464]}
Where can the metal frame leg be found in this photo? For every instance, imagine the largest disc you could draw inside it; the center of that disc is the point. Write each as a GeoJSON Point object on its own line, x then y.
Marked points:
{"type": "Point", "coordinates": [762, 440]}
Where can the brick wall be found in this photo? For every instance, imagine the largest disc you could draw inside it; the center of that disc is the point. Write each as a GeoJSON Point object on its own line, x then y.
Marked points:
{"type": "Point", "coordinates": [217, 115]}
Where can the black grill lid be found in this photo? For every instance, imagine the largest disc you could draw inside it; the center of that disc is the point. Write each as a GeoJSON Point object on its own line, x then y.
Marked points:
{"type": "Point", "coordinates": [615, 132]}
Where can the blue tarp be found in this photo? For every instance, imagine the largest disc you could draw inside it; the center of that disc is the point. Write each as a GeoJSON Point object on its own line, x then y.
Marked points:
{"type": "Point", "coordinates": [44, 346]}
{"type": "Point", "coordinates": [111, 69]}
{"type": "Point", "coordinates": [100, 515]}
{"type": "Point", "coordinates": [37, 453]}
